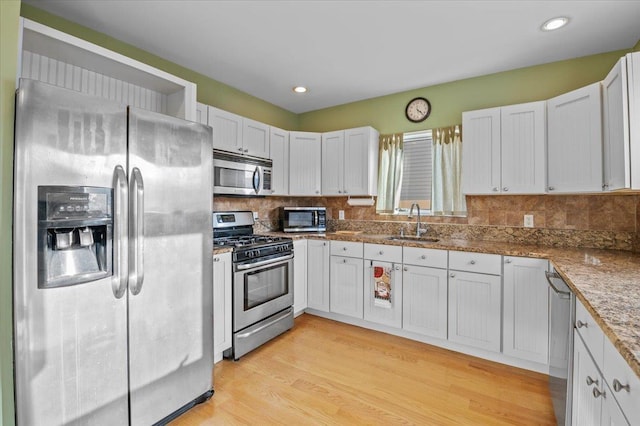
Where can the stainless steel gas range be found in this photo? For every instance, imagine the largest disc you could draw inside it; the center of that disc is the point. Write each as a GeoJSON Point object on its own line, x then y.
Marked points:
{"type": "Point", "coordinates": [262, 281]}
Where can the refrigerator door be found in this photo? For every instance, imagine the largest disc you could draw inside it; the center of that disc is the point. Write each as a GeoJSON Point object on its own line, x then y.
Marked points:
{"type": "Point", "coordinates": [171, 264]}
{"type": "Point", "coordinates": [70, 342]}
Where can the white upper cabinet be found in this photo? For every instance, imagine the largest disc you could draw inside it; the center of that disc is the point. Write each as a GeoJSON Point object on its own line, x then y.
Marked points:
{"type": "Point", "coordinates": [333, 163]}
{"type": "Point", "coordinates": [279, 154]}
{"type": "Point", "coordinates": [304, 163]}
{"type": "Point", "coordinates": [504, 150]}
{"type": "Point", "coordinates": [234, 133]}
{"type": "Point", "coordinates": [350, 162]}
{"type": "Point", "coordinates": [574, 127]}
{"type": "Point", "coordinates": [227, 130]}
{"type": "Point", "coordinates": [621, 124]}
{"type": "Point", "coordinates": [201, 113]}
{"type": "Point", "coordinates": [255, 138]}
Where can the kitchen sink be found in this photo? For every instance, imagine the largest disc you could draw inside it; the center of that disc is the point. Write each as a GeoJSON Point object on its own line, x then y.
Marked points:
{"type": "Point", "coordinates": [413, 239]}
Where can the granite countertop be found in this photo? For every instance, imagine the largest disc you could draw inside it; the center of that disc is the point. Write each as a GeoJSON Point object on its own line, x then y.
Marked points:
{"type": "Point", "coordinates": [606, 282]}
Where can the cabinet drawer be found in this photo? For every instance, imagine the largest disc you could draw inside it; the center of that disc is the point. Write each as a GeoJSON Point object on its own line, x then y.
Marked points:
{"type": "Point", "coordinates": [590, 332]}
{"type": "Point", "coordinates": [475, 262]}
{"type": "Point", "coordinates": [346, 248]}
{"type": "Point", "coordinates": [432, 258]}
{"type": "Point", "coordinates": [383, 253]}
{"type": "Point", "coordinates": [624, 383]}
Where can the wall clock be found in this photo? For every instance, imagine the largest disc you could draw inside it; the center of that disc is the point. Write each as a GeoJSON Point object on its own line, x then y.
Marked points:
{"type": "Point", "coordinates": [418, 109]}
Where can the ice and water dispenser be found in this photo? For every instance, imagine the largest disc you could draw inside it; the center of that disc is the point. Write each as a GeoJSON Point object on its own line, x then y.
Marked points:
{"type": "Point", "coordinates": [75, 235]}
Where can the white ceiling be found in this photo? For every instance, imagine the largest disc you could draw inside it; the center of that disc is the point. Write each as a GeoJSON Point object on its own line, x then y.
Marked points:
{"type": "Point", "coordinates": [346, 51]}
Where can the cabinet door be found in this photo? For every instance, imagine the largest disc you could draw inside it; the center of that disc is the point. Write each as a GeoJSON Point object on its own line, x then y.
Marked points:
{"type": "Point", "coordinates": [333, 163]}
{"type": "Point", "coordinates": [585, 409]}
{"type": "Point", "coordinates": [201, 113]}
{"type": "Point", "coordinates": [615, 116]}
{"type": "Point", "coordinates": [481, 151]}
{"type": "Point", "coordinates": [474, 309]}
{"type": "Point", "coordinates": [424, 302]}
{"type": "Point", "coordinates": [624, 382]}
{"type": "Point", "coordinates": [523, 143]}
{"type": "Point", "coordinates": [227, 130]}
{"type": "Point", "coordinates": [361, 161]}
{"type": "Point", "coordinates": [526, 309]}
{"type": "Point", "coordinates": [318, 275]}
{"type": "Point", "coordinates": [574, 132]}
{"type": "Point", "coordinates": [299, 276]}
{"type": "Point", "coordinates": [304, 163]}
{"type": "Point", "coordinates": [612, 414]}
{"type": "Point", "coordinates": [346, 286]}
{"type": "Point", "coordinates": [633, 88]}
{"type": "Point", "coordinates": [279, 154]}
{"type": "Point", "coordinates": [383, 293]}
{"type": "Point", "coordinates": [221, 304]}
{"type": "Point", "coordinates": [255, 138]}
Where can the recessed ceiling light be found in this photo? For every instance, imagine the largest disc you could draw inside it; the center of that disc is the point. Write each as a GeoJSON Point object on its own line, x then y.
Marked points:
{"type": "Point", "coordinates": [300, 89]}
{"type": "Point", "coordinates": [555, 23]}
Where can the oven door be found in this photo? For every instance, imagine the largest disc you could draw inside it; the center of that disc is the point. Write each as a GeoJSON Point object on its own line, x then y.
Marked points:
{"type": "Point", "coordinates": [261, 291]}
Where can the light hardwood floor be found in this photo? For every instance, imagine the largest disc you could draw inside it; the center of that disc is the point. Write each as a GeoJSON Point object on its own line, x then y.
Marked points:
{"type": "Point", "coordinates": [324, 372]}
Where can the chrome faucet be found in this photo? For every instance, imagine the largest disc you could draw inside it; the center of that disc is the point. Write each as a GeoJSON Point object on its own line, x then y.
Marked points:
{"type": "Point", "coordinates": [419, 231]}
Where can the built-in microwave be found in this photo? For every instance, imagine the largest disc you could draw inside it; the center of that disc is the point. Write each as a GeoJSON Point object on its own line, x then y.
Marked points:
{"type": "Point", "coordinates": [303, 219]}
{"type": "Point", "coordinates": [235, 174]}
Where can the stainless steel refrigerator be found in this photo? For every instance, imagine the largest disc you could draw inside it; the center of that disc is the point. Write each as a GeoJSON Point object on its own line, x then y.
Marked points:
{"type": "Point", "coordinates": [112, 261]}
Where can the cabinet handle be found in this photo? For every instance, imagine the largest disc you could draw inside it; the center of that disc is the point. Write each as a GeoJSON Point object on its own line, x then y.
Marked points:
{"type": "Point", "coordinates": [317, 192]}
{"type": "Point", "coordinates": [597, 393]}
{"type": "Point", "coordinates": [216, 259]}
{"type": "Point", "coordinates": [590, 381]}
{"type": "Point", "coordinates": [406, 269]}
{"type": "Point", "coordinates": [551, 188]}
{"type": "Point", "coordinates": [397, 268]}
{"type": "Point", "coordinates": [380, 252]}
{"type": "Point", "coordinates": [344, 260]}
{"type": "Point", "coordinates": [452, 275]}
{"type": "Point", "coordinates": [423, 257]}
{"type": "Point", "coordinates": [580, 324]}
{"type": "Point", "coordinates": [505, 189]}
{"type": "Point", "coordinates": [473, 262]}
{"type": "Point", "coordinates": [339, 192]}
{"type": "Point", "coordinates": [324, 244]}
{"type": "Point", "coordinates": [246, 150]}
{"type": "Point", "coordinates": [495, 189]}
{"type": "Point", "coordinates": [240, 149]}
{"type": "Point", "coordinates": [617, 386]}
{"type": "Point", "coordinates": [507, 261]}
{"type": "Point", "coordinates": [344, 248]}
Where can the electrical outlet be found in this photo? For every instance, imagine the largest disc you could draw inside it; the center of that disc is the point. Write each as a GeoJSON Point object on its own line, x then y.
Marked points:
{"type": "Point", "coordinates": [341, 214]}
{"type": "Point", "coordinates": [255, 216]}
{"type": "Point", "coordinates": [528, 221]}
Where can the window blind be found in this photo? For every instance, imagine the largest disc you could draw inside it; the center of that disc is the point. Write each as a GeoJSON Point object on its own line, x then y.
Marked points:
{"type": "Point", "coordinates": [417, 166]}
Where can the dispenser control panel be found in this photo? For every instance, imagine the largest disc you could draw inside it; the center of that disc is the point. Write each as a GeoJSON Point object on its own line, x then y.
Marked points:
{"type": "Point", "coordinates": [76, 203]}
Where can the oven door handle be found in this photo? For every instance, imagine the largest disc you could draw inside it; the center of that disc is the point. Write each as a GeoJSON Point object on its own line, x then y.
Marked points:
{"type": "Point", "coordinates": [263, 326]}
{"type": "Point", "coordinates": [244, 267]}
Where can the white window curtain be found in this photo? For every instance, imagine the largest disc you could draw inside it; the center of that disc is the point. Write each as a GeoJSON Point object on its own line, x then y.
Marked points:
{"type": "Point", "coordinates": [390, 172]}
{"type": "Point", "coordinates": [446, 196]}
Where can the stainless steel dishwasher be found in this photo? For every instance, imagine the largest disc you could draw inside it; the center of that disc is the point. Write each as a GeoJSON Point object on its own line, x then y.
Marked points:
{"type": "Point", "coordinates": [562, 315]}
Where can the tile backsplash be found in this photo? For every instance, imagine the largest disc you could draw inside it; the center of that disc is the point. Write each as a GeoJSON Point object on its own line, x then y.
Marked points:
{"type": "Point", "coordinates": [616, 215]}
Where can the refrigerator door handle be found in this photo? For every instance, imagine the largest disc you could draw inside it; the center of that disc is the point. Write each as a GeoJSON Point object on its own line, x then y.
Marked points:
{"type": "Point", "coordinates": [120, 233]}
{"type": "Point", "coordinates": [136, 218]}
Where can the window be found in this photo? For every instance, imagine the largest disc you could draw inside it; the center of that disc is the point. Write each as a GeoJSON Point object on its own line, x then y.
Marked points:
{"type": "Point", "coordinates": [416, 171]}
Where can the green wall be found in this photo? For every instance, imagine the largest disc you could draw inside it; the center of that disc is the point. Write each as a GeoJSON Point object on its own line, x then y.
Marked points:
{"type": "Point", "coordinates": [210, 92]}
{"type": "Point", "coordinates": [449, 100]}
{"type": "Point", "coordinates": [9, 18]}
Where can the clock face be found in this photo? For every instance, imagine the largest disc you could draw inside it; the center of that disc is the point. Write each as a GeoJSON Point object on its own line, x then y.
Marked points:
{"type": "Point", "coordinates": [418, 110]}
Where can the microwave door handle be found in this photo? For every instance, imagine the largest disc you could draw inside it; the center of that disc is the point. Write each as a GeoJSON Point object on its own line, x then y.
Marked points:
{"type": "Point", "coordinates": [316, 219]}
{"type": "Point", "coordinates": [256, 180]}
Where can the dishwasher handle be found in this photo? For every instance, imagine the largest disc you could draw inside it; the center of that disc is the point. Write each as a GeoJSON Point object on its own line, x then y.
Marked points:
{"type": "Point", "coordinates": [560, 293]}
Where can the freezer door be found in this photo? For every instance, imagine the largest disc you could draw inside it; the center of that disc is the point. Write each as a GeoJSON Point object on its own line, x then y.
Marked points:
{"type": "Point", "coordinates": [70, 342]}
{"type": "Point", "coordinates": [170, 283]}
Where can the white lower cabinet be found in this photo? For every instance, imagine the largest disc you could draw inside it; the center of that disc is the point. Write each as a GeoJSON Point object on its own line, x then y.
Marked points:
{"type": "Point", "coordinates": [222, 333]}
{"type": "Point", "coordinates": [383, 293]}
{"type": "Point", "coordinates": [299, 276]}
{"type": "Point", "coordinates": [474, 302]}
{"type": "Point", "coordinates": [424, 303]}
{"type": "Point", "coordinates": [318, 275]}
{"type": "Point", "coordinates": [346, 286]}
{"type": "Point", "coordinates": [526, 309]}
